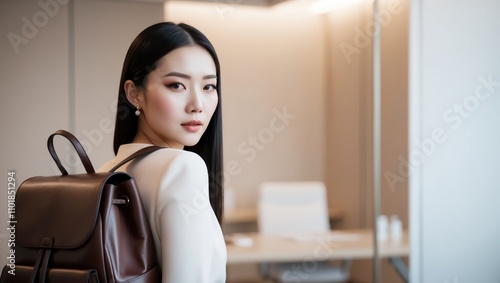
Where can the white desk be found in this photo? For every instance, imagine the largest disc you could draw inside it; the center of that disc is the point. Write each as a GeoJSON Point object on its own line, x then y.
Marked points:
{"type": "Point", "coordinates": [267, 249]}
{"type": "Point", "coordinates": [280, 249]}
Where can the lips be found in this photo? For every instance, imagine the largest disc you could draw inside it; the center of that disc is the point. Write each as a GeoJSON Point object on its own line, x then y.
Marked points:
{"type": "Point", "coordinates": [192, 126]}
{"type": "Point", "coordinates": [192, 123]}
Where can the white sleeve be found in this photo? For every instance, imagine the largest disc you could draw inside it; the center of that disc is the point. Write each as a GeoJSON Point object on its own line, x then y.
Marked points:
{"type": "Point", "coordinates": [185, 221]}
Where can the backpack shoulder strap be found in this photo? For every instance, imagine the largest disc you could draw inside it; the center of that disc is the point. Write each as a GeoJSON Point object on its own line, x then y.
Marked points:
{"type": "Point", "coordinates": [141, 152]}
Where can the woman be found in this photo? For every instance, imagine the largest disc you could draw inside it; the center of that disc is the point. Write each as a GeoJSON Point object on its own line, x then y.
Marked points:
{"type": "Point", "coordinates": [169, 96]}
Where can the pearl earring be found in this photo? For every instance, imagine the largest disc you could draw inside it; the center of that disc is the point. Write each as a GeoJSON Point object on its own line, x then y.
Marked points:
{"type": "Point", "coordinates": [137, 112]}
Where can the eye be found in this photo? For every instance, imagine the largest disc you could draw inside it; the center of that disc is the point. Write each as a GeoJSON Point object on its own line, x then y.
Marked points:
{"type": "Point", "coordinates": [210, 87]}
{"type": "Point", "coordinates": [176, 86]}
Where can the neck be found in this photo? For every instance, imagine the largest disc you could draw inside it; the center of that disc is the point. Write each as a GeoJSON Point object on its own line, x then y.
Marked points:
{"type": "Point", "coordinates": [153, 138]}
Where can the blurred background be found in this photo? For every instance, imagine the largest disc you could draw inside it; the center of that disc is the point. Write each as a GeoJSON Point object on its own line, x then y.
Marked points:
{"type": "Point", "coordinates": [297, 106]}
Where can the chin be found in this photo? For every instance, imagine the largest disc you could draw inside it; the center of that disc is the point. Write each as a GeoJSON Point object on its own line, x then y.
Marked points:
{"type": "Point", "coordinates": [191, 142]}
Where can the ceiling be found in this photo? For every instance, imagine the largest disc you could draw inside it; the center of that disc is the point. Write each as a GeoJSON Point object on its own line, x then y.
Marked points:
{"type": "Point", "coordinates": [239, 2]}
{"type": "Point", "coordinates": [265, 3]}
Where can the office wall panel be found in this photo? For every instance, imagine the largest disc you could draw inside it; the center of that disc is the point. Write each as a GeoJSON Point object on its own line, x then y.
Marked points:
{"type": "Point", "coordinates": [103, 32]}
{"type": "Point", "coordinates": [454, 138]}
{"type": "Point", "coordinates": [34, 89]}
{"type": "Point", "coordinates": [60, 66]}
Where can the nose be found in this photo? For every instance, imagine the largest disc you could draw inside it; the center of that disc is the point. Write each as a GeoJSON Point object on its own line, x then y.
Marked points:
{"type": "Point", "coordinates": [195, 103]}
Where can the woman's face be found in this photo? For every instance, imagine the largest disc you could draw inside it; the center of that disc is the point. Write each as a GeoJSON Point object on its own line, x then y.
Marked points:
{"type": "Point", "coordinates": [179, 98]}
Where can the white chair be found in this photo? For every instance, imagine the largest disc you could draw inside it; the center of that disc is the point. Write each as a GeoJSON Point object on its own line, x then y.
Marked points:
{"type": "Point", "coordinates": [297, 208]}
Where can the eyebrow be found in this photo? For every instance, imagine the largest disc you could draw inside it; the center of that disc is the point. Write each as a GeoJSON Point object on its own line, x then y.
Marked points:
{"type": "Point", "coordinates": [176, 74]}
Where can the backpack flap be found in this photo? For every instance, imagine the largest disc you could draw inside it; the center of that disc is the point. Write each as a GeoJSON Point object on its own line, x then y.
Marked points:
{"type": "Point", "coordinates": [64, 208]}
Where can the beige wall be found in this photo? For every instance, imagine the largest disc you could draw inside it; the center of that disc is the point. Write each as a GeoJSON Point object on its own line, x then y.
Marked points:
{"type": "Point", "coordinates": [272, 61]}
{"type": "Point", "coordinates": [394, 45]}
{"type": "Point", "coordinates": [394, 195]}
{"type": "Point", "coordinates": [350, 124]}
{"type": "Point", "coordinates": [63, 76]}
{"type": "Point", "coordinates": [103, 32]}
{"type": "Point", "coordinates": [34, 80]}
{"type": "Point", "coordinates": [348, 129]}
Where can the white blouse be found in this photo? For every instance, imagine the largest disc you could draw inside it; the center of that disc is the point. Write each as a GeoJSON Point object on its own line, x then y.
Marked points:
{"type": "Point", "coordinates": [173, 185]}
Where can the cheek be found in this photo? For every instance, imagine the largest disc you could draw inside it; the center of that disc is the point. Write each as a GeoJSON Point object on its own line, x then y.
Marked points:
{"type": "Point", "coordinates": [212, 104]}
{"type": "Point", "coordinates": [163, 106]}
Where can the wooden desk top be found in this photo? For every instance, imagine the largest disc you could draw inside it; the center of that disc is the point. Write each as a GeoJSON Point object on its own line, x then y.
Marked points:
{"type": "Point", "coordinates": [353, 244]}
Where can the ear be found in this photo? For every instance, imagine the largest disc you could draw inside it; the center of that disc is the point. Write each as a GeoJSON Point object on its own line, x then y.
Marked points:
{"type": "Point", "coordinates": [134, 95]}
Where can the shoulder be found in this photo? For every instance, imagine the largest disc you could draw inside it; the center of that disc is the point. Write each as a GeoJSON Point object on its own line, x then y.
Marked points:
{"type": "Point", "coordinates": [181, 170]}
{"type": "Point", "coordinates": [177, 160]}
{"type": "Point", "coordinates": [183, 182]}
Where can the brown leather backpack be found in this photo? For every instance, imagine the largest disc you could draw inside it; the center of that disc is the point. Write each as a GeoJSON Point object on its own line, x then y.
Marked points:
{"type": "Point", "coordinates": [81, 228]}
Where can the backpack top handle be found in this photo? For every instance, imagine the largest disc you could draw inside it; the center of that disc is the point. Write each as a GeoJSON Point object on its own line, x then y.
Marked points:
{"type": "Point", "coordinates": [78, 147]}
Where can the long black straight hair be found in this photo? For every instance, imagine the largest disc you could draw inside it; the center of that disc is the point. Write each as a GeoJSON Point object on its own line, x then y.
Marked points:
{"type": "Point", "coordinates": [142, 57]}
